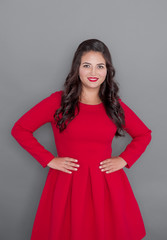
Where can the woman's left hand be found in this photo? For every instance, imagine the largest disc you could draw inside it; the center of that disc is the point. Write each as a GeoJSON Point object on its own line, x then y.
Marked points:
{"type": "Point", "coordinates": [112, 164]}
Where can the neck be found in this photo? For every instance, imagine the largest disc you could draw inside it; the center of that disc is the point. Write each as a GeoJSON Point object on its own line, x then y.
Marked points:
{"type": "Point", "coordinates": [90, 95]}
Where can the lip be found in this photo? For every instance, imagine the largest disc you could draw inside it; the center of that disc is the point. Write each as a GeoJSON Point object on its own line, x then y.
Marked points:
{"type": "Point", "coordinates": [92, 79]}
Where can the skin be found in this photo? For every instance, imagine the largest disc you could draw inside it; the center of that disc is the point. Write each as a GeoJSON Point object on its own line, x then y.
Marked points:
{"type": "Point", "coordinates": [92, 65]}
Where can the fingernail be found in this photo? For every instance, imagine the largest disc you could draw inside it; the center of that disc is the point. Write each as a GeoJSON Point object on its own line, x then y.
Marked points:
{"type": "Point", "coordinates": [101, 163]}
{"type": "Point", "coordinates": [76, 160]}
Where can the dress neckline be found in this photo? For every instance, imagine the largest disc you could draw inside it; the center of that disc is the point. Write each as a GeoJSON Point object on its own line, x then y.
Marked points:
{"type": "Point", "coordinates": [85, 105]}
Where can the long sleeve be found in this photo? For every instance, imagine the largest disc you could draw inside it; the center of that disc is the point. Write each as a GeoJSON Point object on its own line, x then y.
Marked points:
{"type": "Point", "coordinates": [140, 133]}
{"type": "Point", "coordinates": [37, 116]}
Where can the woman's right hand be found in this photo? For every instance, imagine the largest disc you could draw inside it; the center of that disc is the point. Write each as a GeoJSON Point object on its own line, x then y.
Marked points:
{"type": "Point", "coordinates": [64, 164]}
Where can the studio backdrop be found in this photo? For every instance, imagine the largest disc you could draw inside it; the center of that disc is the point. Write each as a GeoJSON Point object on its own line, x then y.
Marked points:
{"type": "Point", "coordinates": [38, 40]}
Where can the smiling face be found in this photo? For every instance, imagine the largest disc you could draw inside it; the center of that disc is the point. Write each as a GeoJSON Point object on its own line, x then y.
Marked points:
{"type": "Point", "coordinates": [92, 70]}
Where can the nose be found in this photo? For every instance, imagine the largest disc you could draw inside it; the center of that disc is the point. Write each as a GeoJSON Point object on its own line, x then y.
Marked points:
{"type": "Point", "coordinates": [93, 71]}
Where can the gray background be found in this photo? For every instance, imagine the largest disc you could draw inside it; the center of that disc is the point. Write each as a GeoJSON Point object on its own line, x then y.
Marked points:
{"type": "Point", "coordinates": [38, 40]}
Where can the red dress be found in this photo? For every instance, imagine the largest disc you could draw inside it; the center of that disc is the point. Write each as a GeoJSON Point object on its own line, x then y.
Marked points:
{"type": "Point", "coordinates": [88, 203]}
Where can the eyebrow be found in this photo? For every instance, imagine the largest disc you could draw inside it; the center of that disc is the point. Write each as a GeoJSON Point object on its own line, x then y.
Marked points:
{"type": "Point", "coordinates": [90, 63]}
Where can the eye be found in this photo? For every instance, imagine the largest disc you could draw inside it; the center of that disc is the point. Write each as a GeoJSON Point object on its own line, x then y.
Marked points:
{"type": "Point", "coordinates": [100, 66]}
{"type": "Point", "coordinates": [86, 65]}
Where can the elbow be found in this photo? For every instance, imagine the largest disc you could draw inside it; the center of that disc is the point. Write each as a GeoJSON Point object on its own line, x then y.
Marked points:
{"type": "Point", "coordinates": [148, 137]}
{"type": "Point", "coordinates": [15, 130]}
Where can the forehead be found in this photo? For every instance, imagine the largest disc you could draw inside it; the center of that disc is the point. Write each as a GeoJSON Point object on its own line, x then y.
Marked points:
{"type": "Point", "coordinates": [92, 56]}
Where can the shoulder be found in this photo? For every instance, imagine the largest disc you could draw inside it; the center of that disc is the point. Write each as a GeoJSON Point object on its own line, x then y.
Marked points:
{"type": "Point", "coordinates": [52, 100]}
{"type": "Point", "coordinates": [123, 104]}
{"type": "Point", "coordinates": [55, 98]}
{"type": "Point", "coordinates": [127, 110]}
{"type": "Point", "coordinates": [56, 94]}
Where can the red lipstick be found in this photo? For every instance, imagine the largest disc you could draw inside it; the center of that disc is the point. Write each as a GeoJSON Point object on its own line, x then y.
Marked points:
{"type": "Point", "coordinates": [92, 79]}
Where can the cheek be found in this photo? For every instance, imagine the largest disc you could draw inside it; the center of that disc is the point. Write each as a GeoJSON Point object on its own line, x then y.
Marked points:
{"type": "Point", "coordinates": [83, 72]}
{"type": "Point", "coordinates": [103, 74]}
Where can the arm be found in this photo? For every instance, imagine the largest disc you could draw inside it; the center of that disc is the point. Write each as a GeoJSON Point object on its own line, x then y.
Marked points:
{"type": "Point", "coordinates": [140, 133]}
{"type": "Point", "coordinates": [37, 116]}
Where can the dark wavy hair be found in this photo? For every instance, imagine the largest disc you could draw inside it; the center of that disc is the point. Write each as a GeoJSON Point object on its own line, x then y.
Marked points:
{"type": "Point", "coordinates": [108, 92]}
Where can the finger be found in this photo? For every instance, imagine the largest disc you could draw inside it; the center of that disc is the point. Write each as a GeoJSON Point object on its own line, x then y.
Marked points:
{"type": "Point", "coordinates": [105, 161]}
{"type": "Point", "coordinates": [105, 165]}
{"type": "Point", "coordinates": [72, 168]}
{"type": "Point", "coordinates": [111, 170]}
{"type": "Point", "coordinates": [67, 171]}
{"type": "Point", "coordinates": [106, 168]}
{"type": "Point", "coordinates": [71, 159]}
{"type": "Point", "coordinates": [72, 164]}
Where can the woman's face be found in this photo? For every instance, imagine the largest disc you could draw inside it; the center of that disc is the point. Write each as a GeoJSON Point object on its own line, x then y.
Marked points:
{"type": "Point", "coordinates": [92, 70]}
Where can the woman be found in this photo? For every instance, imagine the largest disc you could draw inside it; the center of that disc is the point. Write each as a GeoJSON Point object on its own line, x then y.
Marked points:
{"type": "Point", "coordinates": [87, 194]}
